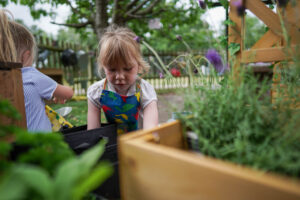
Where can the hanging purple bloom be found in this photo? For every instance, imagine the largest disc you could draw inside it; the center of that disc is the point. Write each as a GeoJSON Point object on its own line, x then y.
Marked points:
{"type": "Point", "coordinates": [240, 8]}
{"type": "Point", "coordinates": [137, 39]}
{"type": "Point", "coordinates": [161, 75]}
{"type": "Point", "coordinates": [202, 4]}
{"type": "Point", "coordinates": [215, 59]}
{"type": "Point", "coordinates": [178, 37]}
{"type": "Point", "coordinates": [282, 3]}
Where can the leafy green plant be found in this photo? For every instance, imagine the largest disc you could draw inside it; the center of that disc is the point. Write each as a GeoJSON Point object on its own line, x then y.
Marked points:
{"type": "Point", "coordinates": [73, 178]}
{"type": "Point", "coordinates": [237, 122]}
{"type": "Point", "coordinates": [42, 166]}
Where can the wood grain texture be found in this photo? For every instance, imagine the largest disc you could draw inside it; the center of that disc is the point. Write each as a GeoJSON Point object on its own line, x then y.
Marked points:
{"type": "Point", "coordinates": [151, 170]}
{"type": "Point", "coordinates": [11, 88]}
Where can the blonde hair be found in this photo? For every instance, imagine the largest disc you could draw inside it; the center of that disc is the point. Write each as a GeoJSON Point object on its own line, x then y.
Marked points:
{"type": "Point", "coordinates": [15, 39]}
{"type": "Point", "coordinates": [117, 45]}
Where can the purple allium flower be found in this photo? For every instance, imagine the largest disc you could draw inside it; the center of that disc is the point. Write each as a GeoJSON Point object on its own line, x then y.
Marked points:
{"type": "Point", "coordinates": [202, 4]}
{"type": "Point", "coordinates": [239, 7]}
{"type": "Point", "coordinates": [215, 59]}
{"type": "Point", "coordinates": [137, 39]}
{"type": "Point", "coordinates": [161, 75]}
{"type": "Point", "coordinates": [178, 37]}
{"type": "Point", "coordinates": [195, 71]}
{"type": "Point", "coordinates": [282, 3]}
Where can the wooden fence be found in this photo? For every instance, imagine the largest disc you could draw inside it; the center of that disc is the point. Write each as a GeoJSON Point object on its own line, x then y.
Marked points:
{"type": "Point", "coordinates": [85, 72]}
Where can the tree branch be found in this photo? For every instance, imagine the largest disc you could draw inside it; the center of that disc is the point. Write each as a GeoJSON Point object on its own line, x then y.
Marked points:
{"type": "Point", "coordinates": [149, 9]}
{"type": "Point", "coordinates": [81, 25]}
{"type": "Point", "coordinates": [115, 11]}
{"type": "Point", "coordinates": [134, 10]}
{"type": "Point", "coordinates": [74, 10]}
{"type": "Point", "coordinates": [131, 4]}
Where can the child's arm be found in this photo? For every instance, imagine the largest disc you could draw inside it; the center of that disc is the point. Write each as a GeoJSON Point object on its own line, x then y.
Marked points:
{"type": "Point", "coordinates": [150, 115]}
{"type": "Point", "coordinates": [93, 117]}
{"type": "Point", "coordinates": [62, 93]}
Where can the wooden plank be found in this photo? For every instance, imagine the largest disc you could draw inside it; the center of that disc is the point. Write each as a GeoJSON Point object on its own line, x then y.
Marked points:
{"type": "Point", "coordinates": [235, 35]}
{"type": "Point", "coordinates": [265, 14]}
{"type": "Point", "coordinates": [291, 16]}
{"type": "Point", "coordinates": [51, 71]}
{"type": "Point", "coordinates": [155, 171]}
{"type": "Point", "coordinates": [11, 88]}
{"type": "Point", "coordinates": [269, 39]}
{"type": "Point", "coordinates": [263, 55]}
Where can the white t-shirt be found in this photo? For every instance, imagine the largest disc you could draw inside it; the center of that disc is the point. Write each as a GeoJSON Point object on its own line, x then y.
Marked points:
{"type": "Point", "coordinates": [148, 94]}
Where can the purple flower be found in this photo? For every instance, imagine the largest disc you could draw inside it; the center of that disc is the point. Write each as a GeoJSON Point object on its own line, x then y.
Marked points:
{"type": "Point", "coordinates": [282, 3]}
{"type": "Point", "coordinates": [178, 37]}
{"type": "Point", "coordinates": [137, 39]}
{"type": "Point", "coordinates": [161, 75]}
{"type": "Point", "coordinates": [239, 7]}
{"type": "Point", "coordinates": [202, 4]}
{"type": "Point", "coordinates": [215, 59]}
{"type": "Point", "coordinates": [195, 71]}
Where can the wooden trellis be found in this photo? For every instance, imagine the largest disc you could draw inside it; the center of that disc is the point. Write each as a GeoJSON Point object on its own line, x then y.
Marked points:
{"type": "Point", "coordinates": [272, 46]}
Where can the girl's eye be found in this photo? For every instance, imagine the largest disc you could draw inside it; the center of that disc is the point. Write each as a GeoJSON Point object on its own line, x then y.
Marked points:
{"type": "Point", "coordinates": [111, 69]}
{"type": "Point", "coordinates": [128, 69]}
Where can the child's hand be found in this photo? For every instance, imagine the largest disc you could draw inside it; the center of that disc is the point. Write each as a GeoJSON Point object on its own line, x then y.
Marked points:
{"type": "Point", "coordinates": [59, 100]}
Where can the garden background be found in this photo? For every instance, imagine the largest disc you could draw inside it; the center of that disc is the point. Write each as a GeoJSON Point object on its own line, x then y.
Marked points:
{"type": "Point", "coordinates": [159, 23]}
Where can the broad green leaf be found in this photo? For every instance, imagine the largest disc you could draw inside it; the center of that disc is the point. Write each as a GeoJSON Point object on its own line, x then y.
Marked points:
{"type": "Point", "coordinates": [101, 172]}
{"type": "Point", "coordinates": [75, 169]}
{"type": "Point", "coordinates": [36, 179]}
{"type": "Point", "coordinates": [11, 188]}
{"type": "Point", "coordinates": [233, 48]}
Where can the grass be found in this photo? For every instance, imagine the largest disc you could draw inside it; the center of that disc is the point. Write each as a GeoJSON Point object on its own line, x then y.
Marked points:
{"type": "Point", "coordinates": [78, 115]}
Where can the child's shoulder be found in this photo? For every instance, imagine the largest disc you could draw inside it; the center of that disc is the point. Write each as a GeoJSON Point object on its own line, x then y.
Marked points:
{"type": "Point", "coordinates": [145, 83]}
{"type": "Point", "coordinates": [98, 84]}
{"type": "Point", "coordinates": [96, 87]}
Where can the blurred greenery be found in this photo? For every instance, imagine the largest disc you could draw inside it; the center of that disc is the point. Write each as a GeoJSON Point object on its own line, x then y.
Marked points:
{"type": "Point", "coordinates": [42, 165]}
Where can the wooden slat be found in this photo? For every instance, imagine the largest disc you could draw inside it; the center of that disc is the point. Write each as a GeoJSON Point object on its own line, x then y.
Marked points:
{"type": "Point", "coordinates": [156, 171]}
{"type": "Point", "coordinates": [269, 39]}
{"type": "Point", "coordinates": [265, 14]}
{"type": "Point", "coordinates": [291, 16]}
{"type": "Point", "coordinates": [11, 88]}
{"type": "Point", "coordinates": [263, 55]}
{"type": "Point", "coordinates": [235, 35]}
{"type": "Point", "coordinates": [51, 71]}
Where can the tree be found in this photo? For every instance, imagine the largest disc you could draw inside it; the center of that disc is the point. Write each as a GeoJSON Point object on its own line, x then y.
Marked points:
{"type": "Point", "coordinates": [98, 14]}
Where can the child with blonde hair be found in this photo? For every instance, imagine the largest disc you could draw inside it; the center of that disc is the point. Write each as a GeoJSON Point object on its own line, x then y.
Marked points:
{"type": "Point", "coordinates": [18, 45]}
{"type": "Point", "coordinates": [125, 98]}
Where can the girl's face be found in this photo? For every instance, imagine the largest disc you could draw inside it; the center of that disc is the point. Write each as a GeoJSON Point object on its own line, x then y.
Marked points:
{"type": "Point", "coordinates": [122, 76]}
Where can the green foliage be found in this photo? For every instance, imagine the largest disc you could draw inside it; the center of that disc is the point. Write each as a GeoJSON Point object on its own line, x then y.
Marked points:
{"type": "Point", "coordinates": [8, 110]}
{"type": "Point", "coordinates": [42, 166]}
{"type": "Point", "coordinates": [233, 48]}
{"type": "Point", "coordinates": [254, 30]}
{"type": "Point", "coordinates": [73, 178]}
{"type": "Point", "coordinates": [178, 18]}
{"type": "Point", "coordinates": [237, 122]}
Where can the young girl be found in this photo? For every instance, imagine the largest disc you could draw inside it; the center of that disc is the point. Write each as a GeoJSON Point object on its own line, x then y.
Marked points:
{"type": "Point", "coordinates": [125, 98]}
{"type": "Point", "coordinates": [18, 45]}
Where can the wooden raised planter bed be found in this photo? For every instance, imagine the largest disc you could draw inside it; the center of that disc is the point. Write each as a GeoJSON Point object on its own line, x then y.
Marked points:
{"type": "Point", "coordinates": [154, 164]}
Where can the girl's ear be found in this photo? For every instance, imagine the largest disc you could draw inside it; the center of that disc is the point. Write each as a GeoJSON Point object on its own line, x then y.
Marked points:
{"type": "Point", "coordinates": [27, 58]}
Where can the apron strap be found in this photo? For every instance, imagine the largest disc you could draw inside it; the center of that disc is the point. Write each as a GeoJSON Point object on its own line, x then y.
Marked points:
{"type": "Point", "coordinates": [105, 85]}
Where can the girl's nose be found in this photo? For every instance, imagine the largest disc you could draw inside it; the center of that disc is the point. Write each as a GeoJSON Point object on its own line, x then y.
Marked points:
{"type": "Point", "coordinates": [119, 75]}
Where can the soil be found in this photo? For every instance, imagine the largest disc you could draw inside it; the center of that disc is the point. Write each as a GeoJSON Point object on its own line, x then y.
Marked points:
{"type": "Point", "coordinates": [168, 103]}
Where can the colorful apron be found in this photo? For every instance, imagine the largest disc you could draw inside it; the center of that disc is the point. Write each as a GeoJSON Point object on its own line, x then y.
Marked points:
{"type": "Point", "coordinates": [121, 109]}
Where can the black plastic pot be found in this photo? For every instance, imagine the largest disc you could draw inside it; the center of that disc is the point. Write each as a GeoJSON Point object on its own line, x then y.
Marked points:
{"type": "Point", "coordinates": [81, 139]}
